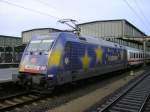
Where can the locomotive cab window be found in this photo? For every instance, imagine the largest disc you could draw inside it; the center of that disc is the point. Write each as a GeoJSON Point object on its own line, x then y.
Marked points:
{"type": "Point", "coordinates": [40, 45]}
{"type": "Point", "coordinates": [45, 45]}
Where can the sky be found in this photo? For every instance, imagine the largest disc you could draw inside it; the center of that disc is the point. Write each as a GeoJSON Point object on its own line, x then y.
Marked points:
{"type": "Point", "coordinates": [21, 15]}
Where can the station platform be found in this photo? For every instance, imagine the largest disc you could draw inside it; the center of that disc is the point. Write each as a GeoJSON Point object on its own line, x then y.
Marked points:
{"type": "Point", "coordinates": [6, 74]}
{"type": "Point", "coordinates": [6, 65]}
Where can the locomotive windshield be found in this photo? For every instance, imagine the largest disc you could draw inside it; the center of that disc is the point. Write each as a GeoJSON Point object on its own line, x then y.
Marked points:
{"type": "Point", "coordinates": [39, 45]}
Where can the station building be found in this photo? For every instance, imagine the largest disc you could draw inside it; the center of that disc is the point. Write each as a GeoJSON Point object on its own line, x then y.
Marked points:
{"type": "Point", "coordinates": [27, 35]}
{"type": "Point", "coordinates": [10, 41]}
{"type": "Point", "coordinates": [8, 48]}
{"type": "Point", "coordinates": [120, 31]}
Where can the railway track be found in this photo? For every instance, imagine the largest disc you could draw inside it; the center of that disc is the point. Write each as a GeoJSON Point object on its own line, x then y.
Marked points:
{"type": "Point", "coordinates": [19, 99]}
{"type": "Point", "coordinates": [134, 97]}
{"type": "Point", "coordinates": [11, 102]}
{"type": "Point", "coordinates": [9, 89]}
{"type": "Point", "coordinates": [13, 96]}
{"type": "Point", "coordinates": [147, 106]}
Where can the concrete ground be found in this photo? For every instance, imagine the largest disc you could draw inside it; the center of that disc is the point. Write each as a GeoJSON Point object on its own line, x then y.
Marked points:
{"type": "Point", "coordinates": [82, 103]}
{"type": "Point", "coordinates": [6, 74]}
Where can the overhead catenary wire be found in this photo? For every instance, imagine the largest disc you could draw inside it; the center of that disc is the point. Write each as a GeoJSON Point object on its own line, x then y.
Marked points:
{"type": "Point", "coordinates": [39, 12]}
{"type": "Point", "coordinates": [141, 11]}
{"type": "Point", "coordinates": [54, 8]}
{"type": "Point", "coordinates": [29, 9]}
{"type": "Point", "coordinates": [46, 4]}
{"type": "Point", "coordinates": [134, 11]}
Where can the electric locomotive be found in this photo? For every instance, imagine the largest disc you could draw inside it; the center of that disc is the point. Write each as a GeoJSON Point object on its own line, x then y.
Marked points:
{"type": "Point", "coordinates": [63, 57]}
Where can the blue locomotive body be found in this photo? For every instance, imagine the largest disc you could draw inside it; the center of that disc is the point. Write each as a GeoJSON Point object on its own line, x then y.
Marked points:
{"type": "Point", "coordinates": [64, 57]}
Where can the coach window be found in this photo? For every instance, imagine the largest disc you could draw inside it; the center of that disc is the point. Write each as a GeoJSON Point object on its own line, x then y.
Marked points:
{"type": "Point", "coordinates": [140, 55]}
{"type": "Point", "coordinates": [131, 55]}
{"type": "Point", "coordinates": [135, 55]}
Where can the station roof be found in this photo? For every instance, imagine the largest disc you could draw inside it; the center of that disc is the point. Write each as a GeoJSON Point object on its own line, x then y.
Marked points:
{"type": "Point", "coordinates": [42, 29]}
{"type": "Point", "coordinates": [12, 37]}
{"type": "Point", "coordinates": [113, 21]}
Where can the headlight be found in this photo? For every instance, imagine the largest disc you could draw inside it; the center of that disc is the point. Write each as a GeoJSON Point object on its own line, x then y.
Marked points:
{"type": "Point", "coordinates": [50, 75]}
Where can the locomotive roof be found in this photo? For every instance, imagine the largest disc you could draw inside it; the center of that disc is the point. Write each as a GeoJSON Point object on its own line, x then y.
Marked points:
{"type": "Point", "coordinates": [100, 41]}
{"type": "Point", "coordinates": [88, 39]}
{"type": "Point", "coordinates": [91, 40]}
